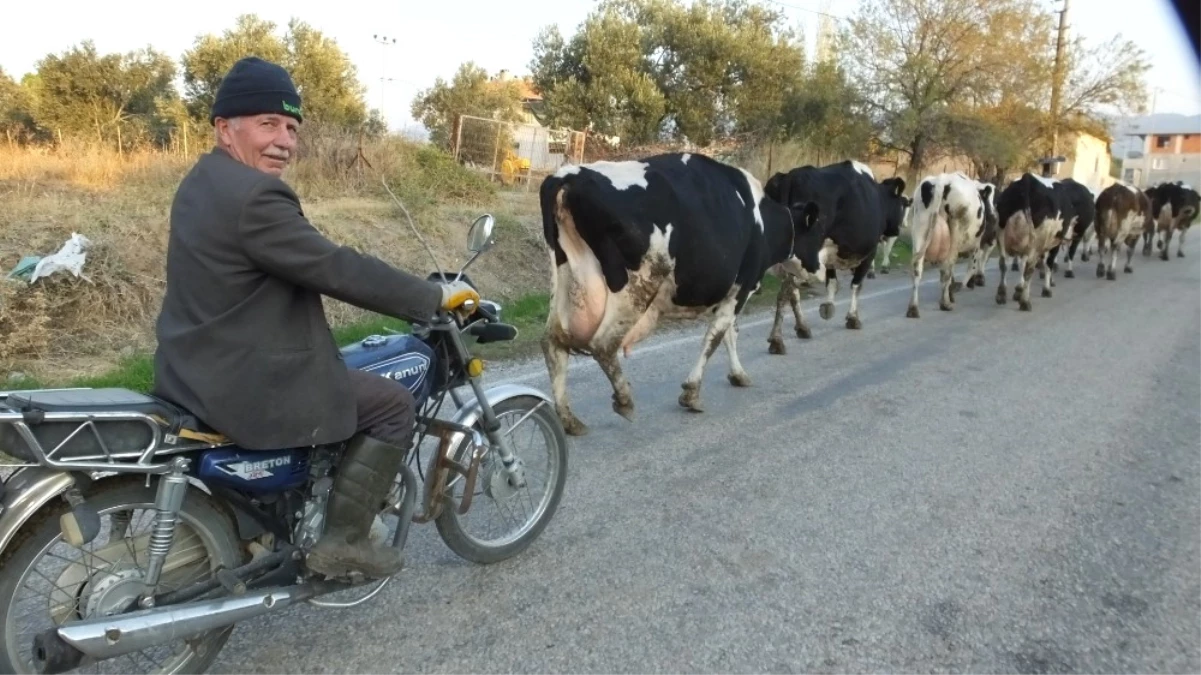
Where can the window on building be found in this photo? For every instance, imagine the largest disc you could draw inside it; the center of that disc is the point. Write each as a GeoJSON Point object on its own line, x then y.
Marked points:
{"type": "Point", "coordinates": [1129, 176]}
{"type": "Point", "coordinates": [1163, 141]}
{"type": "Point", "coordinates": [1157, 164]}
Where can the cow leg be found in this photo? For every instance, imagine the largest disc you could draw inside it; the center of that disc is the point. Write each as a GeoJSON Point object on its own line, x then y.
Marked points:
{"type": "Point", "coordinates": [827, 307]}
{"type": "Point", "coordinates": [623, 401]}
{"type": "Point", "coordinates": [1002, 296]}
{"type": "Point", "coordinates": [775, 339]}
{"type": "Point", "coordinates": [1069, 257]}
{"type": "Point", "coordinates": [853, 321]}
{"type": "Point", "coordinates": [946, 279]}
{"type": "Point", "coordinates": [1028, 265]}
{"type": "Point", "coordinates": [918, 263]}
{"type": "Point", "coordinates": [1048, 278]}
{"type": "Point", "coordinates": [888, 244]}
{"type": "Point", "coordinates": [790, 292]}
{"type": "Point", "coordinates": [738, 375]}
{"type": "Point", "coordinates": [1115, 248]}
{"type": "Point", "coordinates": [1180, 242]}
{"type": "Point", "coordinates": [555, 353]}
{"type": "Point", "coordinates": [723, 319]}
{"type": "Point", "coordinates": [871, 272]}
{"type": "Point", "coordinates": [1165, 244]}
{"type": "Point", "coordinates": [1130, 244]}
{"type": "Point", "coordinates": [1147, 237]}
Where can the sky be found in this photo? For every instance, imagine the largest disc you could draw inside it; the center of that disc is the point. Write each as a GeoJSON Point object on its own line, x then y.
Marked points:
{"type": "Point", "coordinates": [433, 38]}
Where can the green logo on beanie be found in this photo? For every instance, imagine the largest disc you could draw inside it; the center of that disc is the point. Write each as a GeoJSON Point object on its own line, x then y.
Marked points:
{"type": "Point", "coordinates": [291, 108]}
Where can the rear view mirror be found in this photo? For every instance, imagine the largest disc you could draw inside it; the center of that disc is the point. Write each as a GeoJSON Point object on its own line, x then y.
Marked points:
{"type": "Point", "coordinates": [479, 237]}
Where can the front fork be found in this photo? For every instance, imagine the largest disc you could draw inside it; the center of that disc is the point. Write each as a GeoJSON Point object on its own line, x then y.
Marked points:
{"type": "Point", "coordinates": [513, 465]}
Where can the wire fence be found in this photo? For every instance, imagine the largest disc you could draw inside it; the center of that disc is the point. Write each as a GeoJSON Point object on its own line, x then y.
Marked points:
{"type": "Point", "coordinates": [515, 153]}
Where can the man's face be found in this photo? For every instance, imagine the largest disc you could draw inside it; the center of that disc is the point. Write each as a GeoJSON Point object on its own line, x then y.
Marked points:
{"type": "Point", "coordinates": [265, 142]}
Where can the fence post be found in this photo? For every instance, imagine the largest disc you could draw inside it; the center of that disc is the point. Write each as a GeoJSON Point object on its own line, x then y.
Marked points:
{"type": "Point", "coordinates": [496, 152]}
{"type": "Point", "coordinates": [457, 136]}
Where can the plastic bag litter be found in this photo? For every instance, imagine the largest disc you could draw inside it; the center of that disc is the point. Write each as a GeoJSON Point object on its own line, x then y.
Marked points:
{"type": "Point", "coordinates": [24, 269]}
{"type": "Point", "coordinates": [70, 258]}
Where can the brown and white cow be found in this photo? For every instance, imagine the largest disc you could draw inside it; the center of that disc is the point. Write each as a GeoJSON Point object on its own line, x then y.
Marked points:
{"type": "Point", "coordinates": [1173, 207]}
{"type": "Point", "coordinates": [673, 235]}
{"type": "Point", "coordinates": [1029, 224]}
{"type": "Point", "coordinates": [1122, 212]}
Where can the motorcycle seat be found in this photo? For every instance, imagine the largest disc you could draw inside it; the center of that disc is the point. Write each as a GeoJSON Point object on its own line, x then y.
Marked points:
{"type": "Point", "coordinates": [172, 418]}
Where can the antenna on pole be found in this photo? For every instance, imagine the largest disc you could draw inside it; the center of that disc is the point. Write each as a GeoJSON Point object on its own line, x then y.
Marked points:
{"type": "Point", "coordinates": [385, 42]}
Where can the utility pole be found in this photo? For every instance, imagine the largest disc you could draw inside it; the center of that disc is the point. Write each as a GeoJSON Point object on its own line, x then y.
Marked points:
{"type": "Point", "coordinates": [1057, 77]}
{"type": "Point", "coordinates": [385, 42]}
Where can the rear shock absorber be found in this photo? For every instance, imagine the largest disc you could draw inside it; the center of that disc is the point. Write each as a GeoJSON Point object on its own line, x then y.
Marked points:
{"type": "Point", "coordinates": [172, 488]}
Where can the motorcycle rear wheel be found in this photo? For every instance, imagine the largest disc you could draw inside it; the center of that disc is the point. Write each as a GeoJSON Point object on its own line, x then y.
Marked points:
{"type": "Point", "coordinates": [515, 417]}
{"type": "Point", "coordinates": [87, 591]}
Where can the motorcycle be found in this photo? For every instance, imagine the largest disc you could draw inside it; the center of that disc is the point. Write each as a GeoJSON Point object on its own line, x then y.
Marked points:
{"type": "Point", "coordinates": [227, 530]}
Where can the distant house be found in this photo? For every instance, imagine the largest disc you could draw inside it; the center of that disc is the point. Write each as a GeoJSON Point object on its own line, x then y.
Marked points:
{"type": "Point", "coordinates": [531, 99]}
{"type": "Point", "coordinates": [1088, 160]}
{"type": "Point", "coordinates": [1164, 151]}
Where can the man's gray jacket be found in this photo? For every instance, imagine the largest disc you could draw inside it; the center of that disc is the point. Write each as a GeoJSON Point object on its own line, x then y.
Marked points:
{"type": "Point", "coordinates": [243, 341]}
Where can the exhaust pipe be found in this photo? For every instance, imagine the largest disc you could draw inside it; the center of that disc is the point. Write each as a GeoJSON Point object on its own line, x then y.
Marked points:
{"type": "Point", "coordinates": [107, 637]}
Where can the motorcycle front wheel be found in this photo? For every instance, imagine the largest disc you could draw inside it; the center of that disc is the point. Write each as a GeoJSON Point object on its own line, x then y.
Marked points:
{"type": "Point", "coordinates": [523, 513]}
{"type": "Point", "coordinates": [45, 581]}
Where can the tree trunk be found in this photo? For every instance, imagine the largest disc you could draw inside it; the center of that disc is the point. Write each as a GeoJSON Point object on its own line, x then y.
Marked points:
{"type": "Point", "coordinates": [917, 155]}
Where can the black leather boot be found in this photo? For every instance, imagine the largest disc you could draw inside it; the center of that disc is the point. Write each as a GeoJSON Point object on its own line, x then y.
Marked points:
{"type": "Point", "coordinates": [360, 487]}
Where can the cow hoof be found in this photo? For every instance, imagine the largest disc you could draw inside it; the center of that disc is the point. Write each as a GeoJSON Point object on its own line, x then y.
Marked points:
{"type": "Point", "coordinates": [883, 270]}
{"type": "Point", "coordinates": [1083, 257]}
{"type": "Point", "coordinates": [854, 323]}
{"type": "Point", "coordinates": [1129, 270]}
{"type": "Point", "coordinates": [1024, 305]}
{"type": "Point", "coordinates": [572, 426]}
{"type": "Point", "coordinates": [945, 306]}
{"type": "Point", "coordinates": [956, 286]}
{"type": "Point", "coordinates": [913, 313]}
{"type": "Point", "coordinates": [776, 346]}
{"type": "Point", "coordinates": [739, 379]}
{"type": "Point", "coordinates": [1100, 270]}
{"type": "Point", "coordinates": [1046, 292]}
{"type": "Point", "coordinates": [871, 274]}
{"type": "Point", "coordinates": [690, 398]}
{"type": "Point", "coordinates": [803, 332]}
{"type": "Point", "coordinates": [827, 311]}
{"type": "Point", "coordinates": [1069, 274]}
{"type": "Point", "coordinates": [1002, 297]}
{"type": "Point", "coordinates": [625, 409]}
{"type": "Point", "coordinates": [1017, 293]}
{"type": "Point", "coordinates": [980, 280]}
{"type": "Point", "coordinates": [971, 283]}
{"type": "Point", "coordinates": [1159, 244]}
{"type": "Point", "coordinates": [1179, 254]}
{"type": "Point", "coordinates": [1164, 256]}
{"type": "Point", "coordinates": [1111, 275]}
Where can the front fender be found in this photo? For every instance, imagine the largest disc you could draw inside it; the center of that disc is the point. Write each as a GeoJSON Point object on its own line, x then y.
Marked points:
{"type": "Point", "coordinates": [470, 412]}
{"type": "Point", "coordinates": [25, 492]}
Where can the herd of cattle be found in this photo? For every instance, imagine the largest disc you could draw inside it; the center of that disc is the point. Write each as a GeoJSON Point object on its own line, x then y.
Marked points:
{"type": "Point", "coordinates": [682, 235]}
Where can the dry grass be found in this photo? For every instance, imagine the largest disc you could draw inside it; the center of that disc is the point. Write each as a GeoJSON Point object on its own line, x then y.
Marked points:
{"type": "Point", "coordinates": [64, 327]}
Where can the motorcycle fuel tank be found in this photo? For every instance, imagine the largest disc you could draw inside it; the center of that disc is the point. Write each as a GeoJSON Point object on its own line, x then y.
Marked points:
{"type": "Point", "coordinates": [403, 358]}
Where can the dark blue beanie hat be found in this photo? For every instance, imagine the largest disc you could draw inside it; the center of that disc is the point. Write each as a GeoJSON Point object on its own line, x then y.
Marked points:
{"type": "Point", "coordinates": [253, 87]}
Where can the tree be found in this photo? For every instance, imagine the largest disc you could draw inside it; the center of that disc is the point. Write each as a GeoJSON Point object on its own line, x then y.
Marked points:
{"type": "Point", "coordinates": [82, 93]}
{"type": "Point", "coordinates": [648, 68]}
{"type": "Point", "coordinates": [470, 92]}
{"type": "Point", "coordinates": [916, 59]}
{"type": "Point", "coordinates": [324, 76]}
{"type": "Point", "coordinates": [16, 110]}
{"type": "Point", "coordinates": [826, 114]}
{"type": "Point", "coordinates": [1104, 79]}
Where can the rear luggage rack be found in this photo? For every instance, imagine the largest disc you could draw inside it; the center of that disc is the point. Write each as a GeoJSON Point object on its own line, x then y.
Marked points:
{"type": "Point", "coordinates": [27, 422]}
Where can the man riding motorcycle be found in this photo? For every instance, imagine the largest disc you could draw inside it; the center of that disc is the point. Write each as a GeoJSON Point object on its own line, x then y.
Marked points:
{"type": "Point", "coordinates": [243, 340]}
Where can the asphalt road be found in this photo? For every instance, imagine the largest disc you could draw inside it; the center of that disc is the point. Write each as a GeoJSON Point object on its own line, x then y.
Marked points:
{"type": "Point", "coordinates": [984, 490]}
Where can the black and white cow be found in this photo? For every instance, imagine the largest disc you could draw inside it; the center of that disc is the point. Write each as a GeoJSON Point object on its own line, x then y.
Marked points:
{"type": "Point", "coordinates": [1029, 224]}
{"type": "Point", "coordinates": [1078, 206]}
{"type": "Point", "coordinates": [673, 235]}
{"type": "Point", "coordinates": [1173, 208]}
{"type": "Point", "coordinates": [1122, 213]}
{"type": "Point", "coordinates": [948, 219]}
{"type": "Point", "coordinates": [853, 212]}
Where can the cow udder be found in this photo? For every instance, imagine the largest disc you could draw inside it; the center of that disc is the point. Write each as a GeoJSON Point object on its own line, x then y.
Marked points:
{"type": "Point", "coordinates": [581, 292]}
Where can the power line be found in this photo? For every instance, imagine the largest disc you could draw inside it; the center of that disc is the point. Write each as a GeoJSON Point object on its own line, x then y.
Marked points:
{"type": "Point", "coordinates": [806, 9]}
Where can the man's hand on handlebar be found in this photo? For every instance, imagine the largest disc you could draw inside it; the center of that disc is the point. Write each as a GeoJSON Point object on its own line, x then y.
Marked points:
{"type": "Point", "coordinates": [455, 294]}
